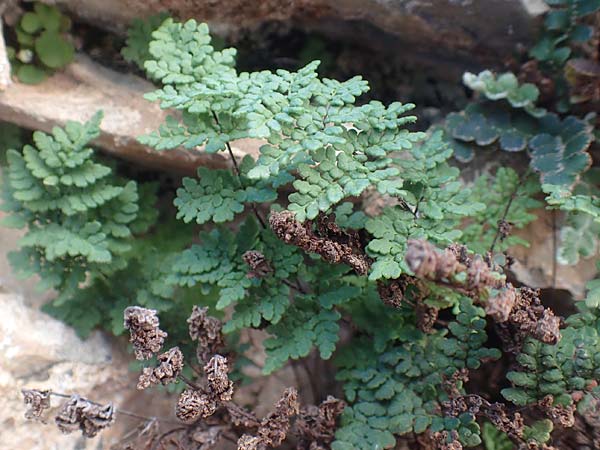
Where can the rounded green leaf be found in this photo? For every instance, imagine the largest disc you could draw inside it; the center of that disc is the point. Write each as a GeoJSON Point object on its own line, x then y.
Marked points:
{"type": "Point", "coordinates": [30, 74]}
{"type": "Point", "coordinates": [54, 50]}
{"type": "Point", "coordinates": [30, 22]}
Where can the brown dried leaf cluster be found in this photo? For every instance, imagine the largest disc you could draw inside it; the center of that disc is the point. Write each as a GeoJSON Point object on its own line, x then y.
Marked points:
{"type": "Point", "coordinates": [445, 440]}
{"type": "Point", "coordinates": [36, 401]}
{"type": "Point", "coordinates": [316, 425]}
{"type": "Point", "coordinates": [207, 331]}
{"type": "Point", "coordinates": [168, 369]}
{"type": "Point", "coordinates": [258, 264]}
{"type": "Point", "coordinates": [511, 424]}
{"type": "Point", "coordinates": [145, 335]}
{"type": "Point", "coordinates": [274, 428]}
{"type": "Point", "coordinates": [333, 244]}
{"type": "Point", "coordinates": [392, 292]}
{"type": "Point", "coordinates": [427, 262]}
{"type": "Point", "coordinates": [530, 318]}
{"type": "Point", "coordinates": [194, 404]}
{"type": "Point", "coordinates": [563, 416]}
{"type": "Point", "coordinates": [79, 413]}
{"type": "Point", "coordinates": [519, 312]}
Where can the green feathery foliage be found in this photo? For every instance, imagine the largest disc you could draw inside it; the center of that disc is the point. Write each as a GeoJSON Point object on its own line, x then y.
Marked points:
{"type": "Point", "coordinates": [507, 197]}
{"type": "Point", "coordinates": [563, 29]}
{"type": "Point", "coordinates": [432, 204]}
{"type": "Point", "coordinates": [399, 390]}
{"type": "Point", "coordinates": [559, 370]}
{"type": "Point", "coordinates": [139, 35]}
{"type": "Point", "coordinates": [81, 219]}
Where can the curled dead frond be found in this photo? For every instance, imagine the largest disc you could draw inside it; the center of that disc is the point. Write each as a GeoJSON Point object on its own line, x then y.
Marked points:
{"type": "Point", "coordinates": [275, 426]}
{"type": "Point", "coordinates": [193, 405]}
{"type": "Point", "coordinates": [519, 311]}
{"type": "Point", "coordinates": [168, 369]}
{"type": "Point", "coordinates": [79, 413]}
{"type": "Point", "coordinates": [316, 425]}
{"type": "Point", "coordinates": [563, 416]}
{"type": "Point", "coordinates": [334, 245]}
{"type": "Point", "coordinates": [37, 401]}
{"type": "Point", "coordinates": [145, 335]}
{"type": "Point", "coordinates": [426, 262]}
{"type": "Point", "coordinates": [218, 382]}
{"type": "Point", "coordinates": [500, 306]}
{"type": "Point", "coordinates": [258, 264]}
{"type": "Point", "coordinates": [207, 331]}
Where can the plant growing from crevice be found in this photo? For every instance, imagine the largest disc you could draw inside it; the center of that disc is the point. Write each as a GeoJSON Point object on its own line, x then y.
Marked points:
{"type": "Point", "coordinates": [349, 237]}
{"type": "Point", "coordinates": [42, 44]}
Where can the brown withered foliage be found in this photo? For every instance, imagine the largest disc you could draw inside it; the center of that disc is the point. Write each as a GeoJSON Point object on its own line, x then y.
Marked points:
{"type": "Point", "coordinates": [500, 306]}
{"type": "Point", "coordinates": [218, 382]}
{"type": "Point", "coordinates": [531, 318]}
{"type": "Point", "coordinates": [207, 331]}
{"type": "Point", "coordinates": [145, 335]}
{"type": "Point", "coordinates": [194, 404]}
{"type": "Point", "coordinates": [274, 428]}
{"type": "Point", "coordinates": [79, 413]}
{"type": "Point", "coordinates": [560, 415]}
{"type": "Point", "coordinates": [518, 312]}
{"type": "Point", "coordinates": [316, 425]}
{"type": "Point", "coordinates": [426, 262]}
{"type": "Point", "coordinates": [247, 442]}
{"type": "Point", "coordinates": [392, 292]}
{"type": "Point", "coordinates": [426, 316]}
{"type": "Point", "coordinates": [329, 241]}
{"type": "Point", "coordinates": [504, 229]}
{"type": "Point", "coordinates": [511, 424]}
{"type": "Point", "coordinates": [444, 440]}
{"type": "Point", "coordinates": [37, 401]}
{"type": "Point", "coordinates": [168, 369]}
{"type": "Point", "coordinates": [258, 264]}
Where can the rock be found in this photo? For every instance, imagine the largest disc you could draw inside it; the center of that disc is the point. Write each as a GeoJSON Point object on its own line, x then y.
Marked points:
{"type": "Point", "coordinates": [534, 266]}
{"type": "Point", "coordinates": [37, 351]}
{"type": "Point", "coordinates": [4, 64]}
{"type": "Point", "coordinates": [468, 29]}
{"type": "Point", "coordinates": [86, 87]}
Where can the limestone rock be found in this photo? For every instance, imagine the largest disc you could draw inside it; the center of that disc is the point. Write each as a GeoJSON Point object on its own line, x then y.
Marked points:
{"type": "Point", "coordinates": [85, 87]}
{"type": "Point", "coordinates": [443, 27]}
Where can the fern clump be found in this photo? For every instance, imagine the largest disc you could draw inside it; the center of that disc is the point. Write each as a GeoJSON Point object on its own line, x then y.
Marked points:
{"type": "Point", "coordinates": [401, 389]}
{"type": "Point", "coordinates": [80, 216]}
{"type": "Point", "coordinates": [349, 238]}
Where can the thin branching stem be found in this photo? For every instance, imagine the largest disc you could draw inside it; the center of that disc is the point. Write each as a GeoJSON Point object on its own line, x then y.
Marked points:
{"type": "Point", "coordinates": [238, 173]}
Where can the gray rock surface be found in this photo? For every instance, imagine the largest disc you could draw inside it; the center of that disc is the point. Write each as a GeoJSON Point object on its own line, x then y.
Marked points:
{"type": "Point", "coordinates": [455, 28]}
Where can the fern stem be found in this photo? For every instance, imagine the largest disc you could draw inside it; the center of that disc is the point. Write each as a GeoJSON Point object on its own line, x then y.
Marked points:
{"type": "Point", "coordinates": [508, 205]}
{"type": "Point", "coordinates": [237, 171]}
{"type": "Point", "coordinates": [189, 382]}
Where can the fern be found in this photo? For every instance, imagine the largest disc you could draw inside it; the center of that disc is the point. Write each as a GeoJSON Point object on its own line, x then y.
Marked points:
{"type": "Point", "coordinates": [433, 203]}
{"type": "Point", "coordinates": [139, 36]}
{"type": "Point", "coordinates": [80, 217]}
{"type": "Point", "coordinates": [507, 197]}
{"type": "Point", "coordinates": [398, 391]}
{"type": "Point", "coordinates": [558, 370]}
